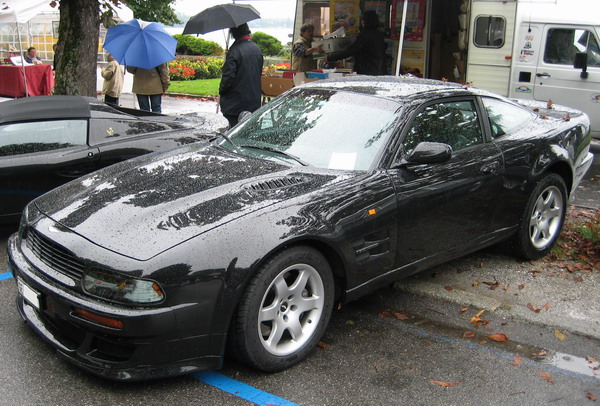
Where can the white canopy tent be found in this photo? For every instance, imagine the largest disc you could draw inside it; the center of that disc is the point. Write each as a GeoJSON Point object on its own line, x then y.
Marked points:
{"type": "Point", "coordinates": [21, 11]}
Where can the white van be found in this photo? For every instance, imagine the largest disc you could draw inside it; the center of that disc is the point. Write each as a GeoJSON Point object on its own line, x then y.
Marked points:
{"type": "Point", "coordinates": [528, 49]}
{"type": "Point", "coordinates": [538, 50]}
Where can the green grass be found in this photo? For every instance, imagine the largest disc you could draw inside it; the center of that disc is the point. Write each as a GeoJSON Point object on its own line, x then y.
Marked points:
{"type": "Point", "coordinates": [208, 87]}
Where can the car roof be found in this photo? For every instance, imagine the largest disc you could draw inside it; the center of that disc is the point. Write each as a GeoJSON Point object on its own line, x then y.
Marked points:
{"type": "Point", "coordinates": [398, 88]}
{"type": "Point", "coordinates": [45, 108]}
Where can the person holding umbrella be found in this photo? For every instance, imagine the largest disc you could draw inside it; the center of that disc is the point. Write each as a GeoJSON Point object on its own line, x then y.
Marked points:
{"type": "Point", "coordinates": [240, 84]}
{"type": "Point", "coordinates": [149, 85]}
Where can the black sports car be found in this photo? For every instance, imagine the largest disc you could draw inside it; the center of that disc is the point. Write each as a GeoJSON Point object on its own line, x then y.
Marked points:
{"type": "Point", "coordinates": [47, 141]}
{"type": "Point", "coordinates": [150, 267]}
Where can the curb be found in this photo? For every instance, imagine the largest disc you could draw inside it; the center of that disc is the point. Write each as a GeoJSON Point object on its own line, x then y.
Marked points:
{"type": "Point", "coordinates": [467, 299]}
{"type": "Point", "coordinates": [193, 96]}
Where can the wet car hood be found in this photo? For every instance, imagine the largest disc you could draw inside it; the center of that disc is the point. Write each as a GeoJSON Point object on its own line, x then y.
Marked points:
{"type": "Point", "coordinates": [141, 207]}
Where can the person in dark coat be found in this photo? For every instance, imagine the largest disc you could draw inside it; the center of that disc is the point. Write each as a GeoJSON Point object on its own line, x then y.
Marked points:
{"type": "Point", "coordinates": [368, 49]}
{"type": "Point", "coordinates": [240, 84]}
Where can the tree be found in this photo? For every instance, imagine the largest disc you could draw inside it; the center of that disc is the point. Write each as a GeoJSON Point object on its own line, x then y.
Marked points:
{"type": "Point", "coordinates": [78, 33]}
{"type": "Point", "coordinates": [268, 44]}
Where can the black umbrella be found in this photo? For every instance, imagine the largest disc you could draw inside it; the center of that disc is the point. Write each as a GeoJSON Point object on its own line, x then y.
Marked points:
{"type": "Point", "coordinates": [220, 17]}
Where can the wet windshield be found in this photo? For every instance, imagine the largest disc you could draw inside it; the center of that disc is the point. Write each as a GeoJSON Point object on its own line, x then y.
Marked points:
{"type": "Point", "coordinates": [322, 128]}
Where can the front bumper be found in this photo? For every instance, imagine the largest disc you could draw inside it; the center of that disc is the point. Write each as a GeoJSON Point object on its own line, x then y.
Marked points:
{"type": "Point", "coordinates": [153, 343]}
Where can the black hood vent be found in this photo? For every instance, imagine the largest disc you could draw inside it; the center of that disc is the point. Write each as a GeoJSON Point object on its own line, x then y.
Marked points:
{"type": "Point", "coordinates": [275, 183]}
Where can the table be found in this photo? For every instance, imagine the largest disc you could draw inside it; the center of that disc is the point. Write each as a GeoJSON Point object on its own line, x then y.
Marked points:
{"type": "Point", "coordinates": [40, 80]}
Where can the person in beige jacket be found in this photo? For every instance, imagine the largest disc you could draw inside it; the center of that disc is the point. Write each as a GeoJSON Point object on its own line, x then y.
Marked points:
{"type": "Point", "coordinates": [149, 86]}
{"type": "Point", "coordinates": [113, 80]}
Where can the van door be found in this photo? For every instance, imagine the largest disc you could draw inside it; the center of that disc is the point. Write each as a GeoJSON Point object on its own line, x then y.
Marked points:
{"type": "Point", "coordinates": [491, 35]}
{"type": "Point", "coordinates": [556, 79]}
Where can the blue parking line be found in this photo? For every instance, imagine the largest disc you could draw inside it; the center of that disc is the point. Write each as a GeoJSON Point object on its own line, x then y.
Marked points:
{"type": "Point", "coordinates": [5, 275]}
{"type": "Point", "coordinates": [241, 390]}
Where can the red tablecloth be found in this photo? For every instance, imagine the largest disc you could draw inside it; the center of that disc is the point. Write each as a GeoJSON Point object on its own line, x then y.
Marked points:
{"type": "Point", "coordinates": [40, 80]}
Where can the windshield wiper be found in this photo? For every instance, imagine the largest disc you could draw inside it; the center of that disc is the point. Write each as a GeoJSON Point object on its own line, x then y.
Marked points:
{"type": "Point", "coordinates": [278, 151]}
{"type": "Point", "coordinates": [235, 146]}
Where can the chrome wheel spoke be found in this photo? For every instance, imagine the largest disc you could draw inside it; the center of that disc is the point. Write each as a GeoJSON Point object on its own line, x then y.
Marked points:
{"type": "Point", "coordinates": [545, 218]}
{"type": "Point", "coordinates": [290, 310]}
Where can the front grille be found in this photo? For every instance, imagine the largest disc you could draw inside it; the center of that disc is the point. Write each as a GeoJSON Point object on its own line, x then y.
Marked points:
{"type": "Point", "coordinates": [55, 256]}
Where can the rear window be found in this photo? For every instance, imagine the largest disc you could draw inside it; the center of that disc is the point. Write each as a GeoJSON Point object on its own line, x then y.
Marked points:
{"type": "Point", "coordinates": [25, 138]}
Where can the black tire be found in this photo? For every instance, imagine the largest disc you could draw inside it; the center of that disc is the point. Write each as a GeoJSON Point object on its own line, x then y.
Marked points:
{"type": "Point", "coordinates": [542, 219]}
{"type": "Point", "coordinates": [302, 311]}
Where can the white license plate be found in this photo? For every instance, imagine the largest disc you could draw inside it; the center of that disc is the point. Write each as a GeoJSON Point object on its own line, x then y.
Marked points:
{"type": "Point", "coordinates": [31, 296]}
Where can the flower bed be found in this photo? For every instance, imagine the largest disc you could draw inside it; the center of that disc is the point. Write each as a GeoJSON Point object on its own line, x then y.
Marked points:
{"type": "Point", "coordinates": [193, 68]}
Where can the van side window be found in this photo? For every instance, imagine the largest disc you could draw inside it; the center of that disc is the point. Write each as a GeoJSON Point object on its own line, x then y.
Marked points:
{"type": "Point", "coordinates": [489, 31]}
{"type": "Point", "coordinates": [505, 117]}
{"type": "Point", "coordinates": [563, 43]}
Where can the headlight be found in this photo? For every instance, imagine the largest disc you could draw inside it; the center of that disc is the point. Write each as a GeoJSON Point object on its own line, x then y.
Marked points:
{"type": "Point", "coordinates": [122, 289]}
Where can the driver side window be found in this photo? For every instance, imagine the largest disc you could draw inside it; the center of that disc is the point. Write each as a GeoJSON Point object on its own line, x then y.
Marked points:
{"type": "Point", "coordinates": [454, 123]}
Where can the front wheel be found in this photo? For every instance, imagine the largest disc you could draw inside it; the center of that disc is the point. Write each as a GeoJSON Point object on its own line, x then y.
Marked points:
{"type": "Point", "coordinates": [284, 311]}
{"type": "Point", "coordinates": [543, 218]}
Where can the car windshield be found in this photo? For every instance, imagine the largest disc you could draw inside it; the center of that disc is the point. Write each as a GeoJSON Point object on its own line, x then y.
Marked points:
{"type": "Point", "coordinates": [322, 128]}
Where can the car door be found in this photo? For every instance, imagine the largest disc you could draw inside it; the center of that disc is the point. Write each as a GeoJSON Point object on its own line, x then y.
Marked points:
{"type": "Point", "coordinates": [556, 79]}
{"type": "Point", "coordinates": [446, 207]}
{"type": "Point", "coordinates": [36, 157]}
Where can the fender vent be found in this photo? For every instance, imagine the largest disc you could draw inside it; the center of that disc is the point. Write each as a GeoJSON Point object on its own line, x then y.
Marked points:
{"type": "Point", "coordinates": [276, 183]}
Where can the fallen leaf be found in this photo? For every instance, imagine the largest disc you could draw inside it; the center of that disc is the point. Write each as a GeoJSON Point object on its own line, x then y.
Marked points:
{"type": "Point", "coordinates": [322, 344]}
{"type": "Point", "coordinates": [448, 288]}
{"type": "Point", "coordinates": [520, 287]}
{"type": "Point", "coordinates": [546, 306]}
{"type": "Point", "coordinates": [532, 262]}
{"type": "Point", "coordinates": [539, 354]}
{"type": "Point", "coordinates": [547, 377]}
{"type": "Point", "coordinates": [578, 279]}
{"type": "Point", "coordinates": [499, 337]}
{"type": "Point", "coordinates": [543, 117]}
{"type": "Point", "coordinates": [483, 342]}
{"type": "Point", "coordinates": [464, 309]}
{"type": "Point", "coordinates": [444, 384]}
{"type": "Point", "coordinates": [518, 361]}
{"type": "Point", "coordinates": [475, 284]}
{"type": "Point", "coordinates": [350, 322]}
{"type": "Point", "coordinates": [468, 334]}
{"type": "Point", "coordinates": [591, 396]}
{"type": "Point", "coordinates": [399, 316]}
{"type": "Point", "coordinates": [476, 320]}
{"type": "Point", "coordinates": [533, 308]}
{"type": "Point", "coordinates": [591, 360]}
{"type": "Point", "coordinates": [549, 104]}
{"type": "Point", "coordinates": [506, 287]}
{"type": "Point", "coordinates": [567, 117]}
{"type": "Point", "coordinates": [560, 335]}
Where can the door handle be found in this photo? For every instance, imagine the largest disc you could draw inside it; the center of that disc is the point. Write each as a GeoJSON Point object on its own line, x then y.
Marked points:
{"type": "Point", "coordinates": [543, 75]}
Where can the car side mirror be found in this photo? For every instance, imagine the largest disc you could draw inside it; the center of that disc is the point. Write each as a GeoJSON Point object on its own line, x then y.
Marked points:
{"type": "Point", "coordinates": [581, 60]}
{"type": "Point", "coordinates": [430, 153]}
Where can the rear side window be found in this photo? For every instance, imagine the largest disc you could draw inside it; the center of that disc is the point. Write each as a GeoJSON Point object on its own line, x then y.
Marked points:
{"type": "Point", "coordinates": [505, 117]}
{"type": "Point", "coordinates": [25, 138]}
{"type": "Point", "coordinates": [489, 31]}
{"type": "Point", "coordinates": [563, 43]}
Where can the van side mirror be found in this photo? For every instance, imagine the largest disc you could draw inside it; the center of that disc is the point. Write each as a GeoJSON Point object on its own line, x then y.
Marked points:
{"type": "Point", "coordinates": [581, 63]}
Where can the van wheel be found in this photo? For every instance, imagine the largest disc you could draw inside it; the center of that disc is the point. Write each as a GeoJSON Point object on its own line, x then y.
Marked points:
{"type": "Point", "coordinates": [543, 218]}
{"type": "Point", "coordinates": [284, 311]}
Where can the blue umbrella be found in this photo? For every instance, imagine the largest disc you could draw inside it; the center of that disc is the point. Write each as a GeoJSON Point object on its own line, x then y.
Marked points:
{"type": "Point", "coordinates": [140, 43]}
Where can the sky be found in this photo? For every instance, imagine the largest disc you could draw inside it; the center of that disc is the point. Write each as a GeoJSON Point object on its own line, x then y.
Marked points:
{"type": "Point", "coordinates": [266, 8]}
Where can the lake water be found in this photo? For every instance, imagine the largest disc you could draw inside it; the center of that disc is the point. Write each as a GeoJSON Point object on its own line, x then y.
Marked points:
{"type": "Point", "coordinates": [220, 36]}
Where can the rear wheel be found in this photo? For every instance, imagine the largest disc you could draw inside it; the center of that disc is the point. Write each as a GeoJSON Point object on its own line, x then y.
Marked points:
{"type": "Point", "coordinates": [284, 310]}
{"type": "Point", "coordinates": [543, 218]}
